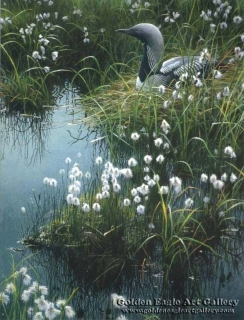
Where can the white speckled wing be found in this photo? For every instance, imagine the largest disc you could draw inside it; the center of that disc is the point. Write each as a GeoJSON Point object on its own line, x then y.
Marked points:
{"type": "Point", "coordinates": [180, 65]}
{"type": "Point", "coordinates": [171, 65]}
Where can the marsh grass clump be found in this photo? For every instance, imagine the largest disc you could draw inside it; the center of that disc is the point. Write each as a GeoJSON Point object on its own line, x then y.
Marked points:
{"type": "Point", "coordinates": [210, 115]}
{"type": "Point", "coordinates": [139, 204]}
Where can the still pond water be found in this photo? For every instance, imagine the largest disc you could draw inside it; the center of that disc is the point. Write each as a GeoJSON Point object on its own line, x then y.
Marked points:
{"type": "Point", "coordinates": [31, 149]}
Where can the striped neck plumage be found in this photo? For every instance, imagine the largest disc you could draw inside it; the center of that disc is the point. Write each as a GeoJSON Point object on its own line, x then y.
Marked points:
{"type": "Point", "coordinates": [150, 61]}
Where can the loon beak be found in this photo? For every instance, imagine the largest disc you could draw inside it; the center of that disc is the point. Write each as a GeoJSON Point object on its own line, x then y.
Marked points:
{"type": "Point", "coordinates": [131, 32]}
{"type": "Point", "coordinates": [123, 30]}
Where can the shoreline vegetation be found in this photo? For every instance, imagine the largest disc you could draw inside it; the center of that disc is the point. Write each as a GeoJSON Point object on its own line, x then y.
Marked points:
{"type": "Point", "coordinates": [170, 188]}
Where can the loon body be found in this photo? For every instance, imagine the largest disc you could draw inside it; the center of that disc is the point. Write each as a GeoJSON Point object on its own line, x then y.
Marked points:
{"type": "Point", "coordinates": [151, 74]}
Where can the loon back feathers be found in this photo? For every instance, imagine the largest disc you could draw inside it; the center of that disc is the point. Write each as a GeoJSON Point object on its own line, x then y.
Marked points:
{"type": "Point", "coordinates": [151, 74]}
{"type": "Point", "coordinates": [177, 67]}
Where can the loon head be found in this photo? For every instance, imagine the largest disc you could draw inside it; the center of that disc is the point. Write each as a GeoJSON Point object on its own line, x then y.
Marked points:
{"type": "Point", "coordinates": [146, 32]}
{"type": "Point", "coordinates": [152, 39]}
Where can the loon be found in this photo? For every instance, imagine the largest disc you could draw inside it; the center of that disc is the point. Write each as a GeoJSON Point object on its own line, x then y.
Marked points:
{"type": "Point", "coordinates": [151, 74]}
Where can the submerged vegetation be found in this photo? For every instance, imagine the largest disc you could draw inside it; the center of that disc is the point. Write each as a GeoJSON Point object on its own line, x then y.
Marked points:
{"type": "Point", "coordinates": [171, 184]}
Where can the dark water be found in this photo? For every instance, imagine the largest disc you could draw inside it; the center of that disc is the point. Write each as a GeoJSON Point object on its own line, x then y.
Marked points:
{"type": "Point", "coordinates": [33, 148]}
{"type": "Point", "coordinates": [30, 150]}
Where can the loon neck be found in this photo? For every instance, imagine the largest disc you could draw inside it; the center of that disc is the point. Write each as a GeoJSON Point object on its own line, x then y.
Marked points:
{"type": "Point", "coordinates": [149, 62]}
{"type": "Point", "coordinates": [145, 69]}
